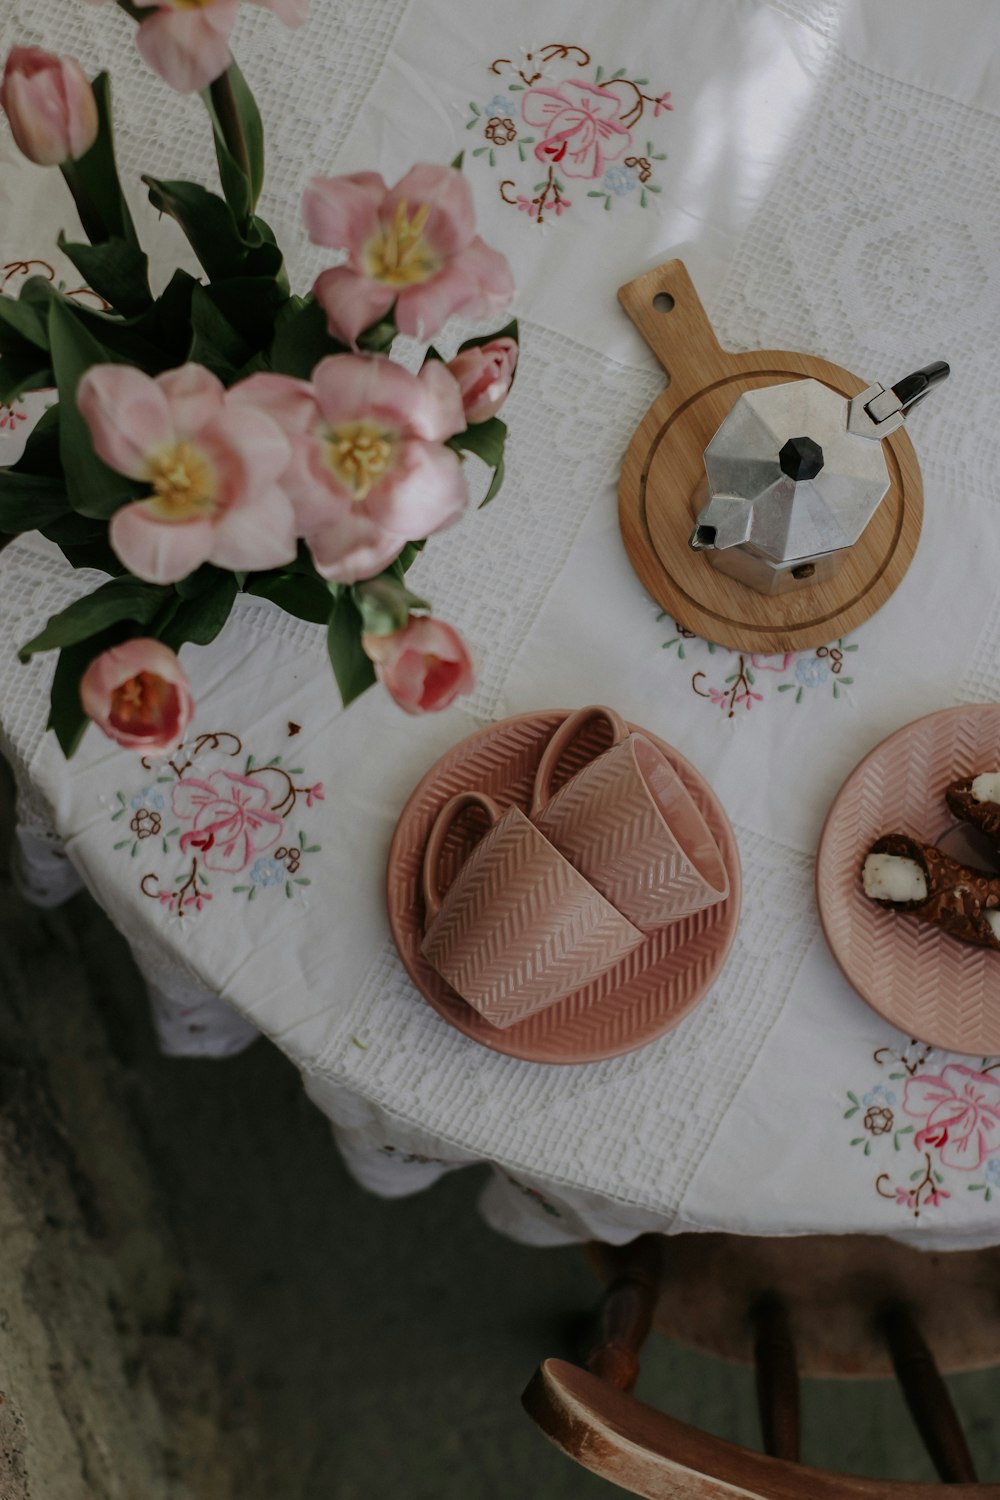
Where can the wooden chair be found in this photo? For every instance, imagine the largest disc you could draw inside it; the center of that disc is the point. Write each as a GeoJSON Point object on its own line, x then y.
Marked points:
{"type": "Point", "coordinates": [848, 1305]}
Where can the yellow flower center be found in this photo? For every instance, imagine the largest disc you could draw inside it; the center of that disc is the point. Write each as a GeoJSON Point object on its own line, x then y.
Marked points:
{"type": "Point", "coordinates": [184, 484]}
{"type": "Point", "coordinates": [398, 254]}
{"type": "Point", "coordinates": [360, 454]}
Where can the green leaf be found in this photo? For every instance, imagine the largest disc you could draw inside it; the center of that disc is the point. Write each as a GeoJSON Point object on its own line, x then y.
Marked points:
{"type": "Point", "coordinates": [494, 490]}
{"type": "Point", "coordinates": [122, 338]}
{"type": "Point", "coordinates": [457, 162]}
{"type": "Point", "coordinates": [21, 373]}
{"type": "Point", "coordinates": [384, 604]}
{"type": "Point", "coordinates": [251, 305]}
{"type": "Point", "coordinates": [297, 594]}
{"type": "Point", "coordinates": [30, 501]}
{"type": "Point", "coordinates": [352, 668]}
{"type": "Point", "coordinates": [93, 488]}
{"type": "Point", "coordinates": [94, 182]}
{"type": "Point", "coordinates": [408, 557]}
{"type": "Point", "coordinates": [123, 598]}
{"type": "Point", "coordinates": [96, 555]}
{"type": "Point", "coordinates": [116, 269]}
{"type": "Point", "coordinates": [302, 339]}
{"type": "Point", "coordinates": [215, 343]}
{"type": "Point", "coordinates": [200, 619]}
{"type": "Point", "coordinates": [41, 451]}
{"type": "Point", "coordinates": [213, 232]}
{"type": "Point", "coordinates": [24, 318]}
{"type": "Point", "coordinates": [484, 439]}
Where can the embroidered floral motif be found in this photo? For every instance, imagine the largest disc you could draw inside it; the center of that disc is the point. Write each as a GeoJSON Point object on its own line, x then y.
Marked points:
{"type": "Point", "coordinates": [535, 1195]}
{"type": "Point", "coordinates": [11, 415]}
{"type": "Point", "coordinates": [730, 686]}
{"type": "Point", "coordinates": [22, 269]}
{"type": "Point", "coordinates": [219, 822]}
{"type": "Point", "coordinates": [960, 1108]}
{"type": "Point", "coordinates": [553, 112]}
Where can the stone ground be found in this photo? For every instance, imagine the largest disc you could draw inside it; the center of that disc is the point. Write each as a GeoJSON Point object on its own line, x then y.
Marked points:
{"type": "Point", "coordinates": [197, 1303]}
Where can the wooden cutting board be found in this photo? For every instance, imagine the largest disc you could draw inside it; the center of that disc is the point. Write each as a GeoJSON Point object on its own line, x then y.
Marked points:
{"type": "Point", "coordinates": [664, 469]}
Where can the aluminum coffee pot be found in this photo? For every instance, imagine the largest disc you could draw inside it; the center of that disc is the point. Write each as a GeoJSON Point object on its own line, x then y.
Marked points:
{"type": "Point", "coordinates": [794, 475]}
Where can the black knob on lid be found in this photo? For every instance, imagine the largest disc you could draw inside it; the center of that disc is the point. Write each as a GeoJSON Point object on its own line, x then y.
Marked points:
{"type": "Point", "coordinates": [801, 458]}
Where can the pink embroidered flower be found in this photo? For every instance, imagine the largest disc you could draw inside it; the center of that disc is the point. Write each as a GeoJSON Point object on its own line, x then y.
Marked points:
{"type": "Point", "coordinates": [232, 819]}
{"type": "Point", "coordinates": [484, 374]}
{"type": "Point", "coordinates": [582, 124]}
{"type": "Point", "coordinates": [369, 469]}
{"type": "Point", "coordinates": [962, 1109]}
{"type": "Point", "coordinates": [49, 105]}
{"type": "Point", "coordinates": [212, 467]}
{"type": "Point", "coordinates": [781, 663]}
{"type": "Point", "coordinates": [424, 666]}
{"type": "Point", "coordinates": [139, 695]}
{"type": "Point", "coordinates": [187, 41]}
{"type": "Point", "coordinates": [412, 245]}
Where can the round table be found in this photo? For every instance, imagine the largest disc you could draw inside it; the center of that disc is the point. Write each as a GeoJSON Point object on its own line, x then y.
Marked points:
{"type": "Point", "coordinates": [827, 178]}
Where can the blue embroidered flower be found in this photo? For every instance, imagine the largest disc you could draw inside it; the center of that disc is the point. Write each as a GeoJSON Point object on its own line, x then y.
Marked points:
{"type": "Point", "coordinates": [811, 671]}
{"type": "Point", "coordinates": [500, 105]}
{"type": "Point", "coordinates": [619, 180]}
{"type": "Point", "coordinates": [148, 797]}
{"type": "Point", "coordinates": [267, 871]}
{"type": "Point", "coordinates": [993, 1171]}
{"type": "Point", "coordinates": [879, 1095]}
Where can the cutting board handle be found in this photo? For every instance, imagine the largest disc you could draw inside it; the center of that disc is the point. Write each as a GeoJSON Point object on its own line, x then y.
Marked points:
{"type": "Point", "coordinates": [665, 308]}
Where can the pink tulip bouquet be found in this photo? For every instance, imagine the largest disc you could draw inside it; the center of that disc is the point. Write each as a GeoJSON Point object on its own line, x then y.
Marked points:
{"type": "Point", "coordinates": [228, 435]}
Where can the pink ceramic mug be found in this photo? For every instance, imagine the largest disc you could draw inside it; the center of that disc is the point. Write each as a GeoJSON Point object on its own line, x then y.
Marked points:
{"type": "Point", "coordinates": [628, 823]}
{"type": "Point", "coordinates": [519, 927]}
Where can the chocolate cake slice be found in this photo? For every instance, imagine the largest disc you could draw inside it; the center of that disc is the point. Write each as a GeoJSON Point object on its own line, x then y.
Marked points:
{"type": "Point", "coordinates": [905, 875]}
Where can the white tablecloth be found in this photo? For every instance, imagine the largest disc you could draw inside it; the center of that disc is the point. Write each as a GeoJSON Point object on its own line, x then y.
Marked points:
{"type": "Point", "coordinates": [828, 172]}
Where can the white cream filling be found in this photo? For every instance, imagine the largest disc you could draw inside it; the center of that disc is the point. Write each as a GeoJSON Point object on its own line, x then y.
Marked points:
{"type": "Point", "coordinates": [986, 788]}
{"type": "Point", "coordinates": [891, 877]}
{"type": "Point", "coordinates": [992, 920]}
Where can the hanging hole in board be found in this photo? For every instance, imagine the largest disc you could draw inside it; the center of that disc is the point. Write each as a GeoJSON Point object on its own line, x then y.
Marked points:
{"type": "Point", "coordinates": [663, 302]}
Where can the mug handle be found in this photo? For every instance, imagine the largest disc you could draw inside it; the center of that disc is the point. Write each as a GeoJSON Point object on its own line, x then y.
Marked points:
{"type": "Point", "coordinates": [567, 731]}
{"type": "Point", "coordinates": [435, 842]}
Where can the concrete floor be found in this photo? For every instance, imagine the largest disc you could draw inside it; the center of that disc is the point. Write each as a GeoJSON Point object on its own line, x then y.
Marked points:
{"type": "Point", "coordinates": [364, 1349]}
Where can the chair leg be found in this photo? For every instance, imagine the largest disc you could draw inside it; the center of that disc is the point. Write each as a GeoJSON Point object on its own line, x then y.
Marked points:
{"type": "Point", "coordinates": [626, 1313]}
{"type": "Point", "coordinates": [777, 1378]}
{"type": "Point", "coordinates": [927, 1397]}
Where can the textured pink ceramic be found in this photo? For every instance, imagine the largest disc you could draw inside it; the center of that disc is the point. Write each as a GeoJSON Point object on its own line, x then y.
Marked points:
{"type": "Point", "coordinates": [643, 995]}
{"type": "Point", "coordinates": [629, 824]}
{"type": "Point", "coordinates": [932, 987]}
{"type": "Point", "coordinates": [519, 927]}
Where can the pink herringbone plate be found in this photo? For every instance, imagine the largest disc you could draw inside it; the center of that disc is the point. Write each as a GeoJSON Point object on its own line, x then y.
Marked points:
{"type": "Point", "coordinates": [647, 992]}
{"type": "Point", "coordinates": [930, 986]}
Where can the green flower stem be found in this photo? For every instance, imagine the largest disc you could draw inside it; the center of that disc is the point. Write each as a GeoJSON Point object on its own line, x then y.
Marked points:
{"type": "Point", "coordinates": [229, 118]}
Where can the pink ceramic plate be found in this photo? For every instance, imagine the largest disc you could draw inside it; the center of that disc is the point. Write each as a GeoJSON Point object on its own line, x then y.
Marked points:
{"type": "Point", "coordinates": [930, 986]}
{"type": "Point", "coordinates": [647, 992]}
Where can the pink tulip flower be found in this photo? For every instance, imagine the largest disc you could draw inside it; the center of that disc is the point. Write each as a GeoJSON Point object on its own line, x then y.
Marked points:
{"type": "Point", "coordinates": [212, 467]}
{"type": "Point", "coordinates": [412, 245]}
{"type": "Point", "coordinates": [369, 469]}
{"type": "Point", "coordinates": [50, 106]}
{"type": "Point", "coordinates": [138, 694]}
{"type": "Point", "coordinates": [424, 666]}
{"type": "Point", "coordinates": [484, 374]}
{"type": "Point", "coordinates": [187, 41]}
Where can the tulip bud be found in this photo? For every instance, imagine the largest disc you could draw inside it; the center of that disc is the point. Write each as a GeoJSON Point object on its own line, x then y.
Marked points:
{"type": "Point", "coordinates": [50, 106]}
{"type": "Point", "coordinates": [424, 666]}
{"type": "Point", "coordinates": [139, 695]}
{"type": "Point", "coordinates": [484, 374]}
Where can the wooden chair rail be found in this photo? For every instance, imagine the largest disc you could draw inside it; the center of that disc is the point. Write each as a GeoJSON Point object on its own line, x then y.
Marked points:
{"type": "Point", "coordinates": [651, 1454]}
